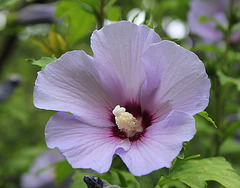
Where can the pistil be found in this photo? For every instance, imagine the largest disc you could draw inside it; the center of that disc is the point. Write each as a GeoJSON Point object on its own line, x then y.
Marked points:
{"type": "Point", "coordinates": [126, 121]}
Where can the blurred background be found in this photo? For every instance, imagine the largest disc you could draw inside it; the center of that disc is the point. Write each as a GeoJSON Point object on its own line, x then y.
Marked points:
{"type": "Point", "coordinates": [35, 32]}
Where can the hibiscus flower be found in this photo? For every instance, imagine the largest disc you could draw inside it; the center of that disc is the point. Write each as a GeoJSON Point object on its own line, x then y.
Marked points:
{"type": "Point", "coordinates": [211, 9]}
{"type": "Point", "coordinates": [37, 177]}
{"type": "Point", "coordinates": [134, 98]}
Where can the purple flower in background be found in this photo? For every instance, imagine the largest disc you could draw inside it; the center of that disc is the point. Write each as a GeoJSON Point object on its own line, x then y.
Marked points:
{"type": "Point", "coordinates": [36, 13]}
{"type": "Point", "coordinates": [32, 179]}
{"type": "Point", "coordinates": [216, 9]}
{"type": "Point", "coordinates": [135, 98]}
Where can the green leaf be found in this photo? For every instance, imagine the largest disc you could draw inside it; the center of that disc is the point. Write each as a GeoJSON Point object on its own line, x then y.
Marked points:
{"type": "Point", "coordinates": [231, 129]}
{"type": "Point", "coordinates": [165, 180]}
{"type": "Point", "coordinates": [109, 4]}
{"type": "Point", "coordinates": [43, 169]}
{"type": "Point", "coordinates": [151, 180]}
{"type": "Point", "coordinates": [207, 48]}
{"type": "Point", "coordinates": [181, 154]}
{"type": "Point", "coordinates": [231, 148]}
{"type": "Point", "coordinates": [195, 173]}
{"type": "Point", "coordinates": [79, 19]}
{"type": "Point", "coordinates": [122, 179]}
{"type": "Point", "coordinates": [42, 62]}
{"type": "Point", "coordinates": [62, 171]}
{"type": "Point", "coordinates": [192, 157]}
{"type": "Point", "coordinates": [92, 3]}
{"type": "Point", "coordinates": [126, 179]}
{"type": "Point", "coordinates": [114, 13]}
{"type": "Point", "coordinates": [206, 116]}
{"type": "Point", "coordinates": [203, 19]}
{"type": "Point", "coordinates": [23, 158]}
{"type": "Point", "coordinates": [171, 183]}
{"type": "Point", "coordinates": [8, 3]}
{"type": "Point", "coordinates": [228, 80]}
{"type": "Point", "coordinates": [78, 180]}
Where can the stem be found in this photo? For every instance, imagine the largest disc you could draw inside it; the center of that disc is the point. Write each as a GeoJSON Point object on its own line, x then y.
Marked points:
{"type": "Point", "coordinates": [228, 35]}
{"type": "Point", "coordinates": [100, 15]}
{"type": "Point", "coordinates": [220, 112]}
{"type": "Point", "coordinates": [220, 96]}
{"type": "Point", "coordinates": [8, 46]}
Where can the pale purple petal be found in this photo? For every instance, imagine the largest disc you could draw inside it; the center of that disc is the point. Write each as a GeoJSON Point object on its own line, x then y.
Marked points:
{"type": "Point", "coordinates": [117, 52]}
{"type": "Point", "coordinates": [176, 79]}
{"type": "Point", "coordinates": [71, 84]}
{"type": "Point", "coordinates": [161, 143]}
{"type": "Point", "coordinates": [83, 146]}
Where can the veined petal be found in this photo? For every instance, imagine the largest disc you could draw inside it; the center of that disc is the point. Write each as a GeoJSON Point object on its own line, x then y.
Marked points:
{"type": "Point", "coordinates": [83, 146]}
{"type": "Point", "coordinates": [117, 52]}
{"type": "Point", "coordinates": [71, 84]}
{"type": "Point", "coordinates": [161, 143]}
{"type": "Point", "coordinates": [176, 80]}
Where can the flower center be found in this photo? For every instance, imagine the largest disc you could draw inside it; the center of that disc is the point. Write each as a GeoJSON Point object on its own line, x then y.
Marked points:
{"type": "Point", "coordinates": [126, 121]}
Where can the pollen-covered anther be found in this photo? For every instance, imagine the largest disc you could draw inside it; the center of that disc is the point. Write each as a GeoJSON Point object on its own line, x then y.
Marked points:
{"type": "Point", "coordinates": [126, 121]}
